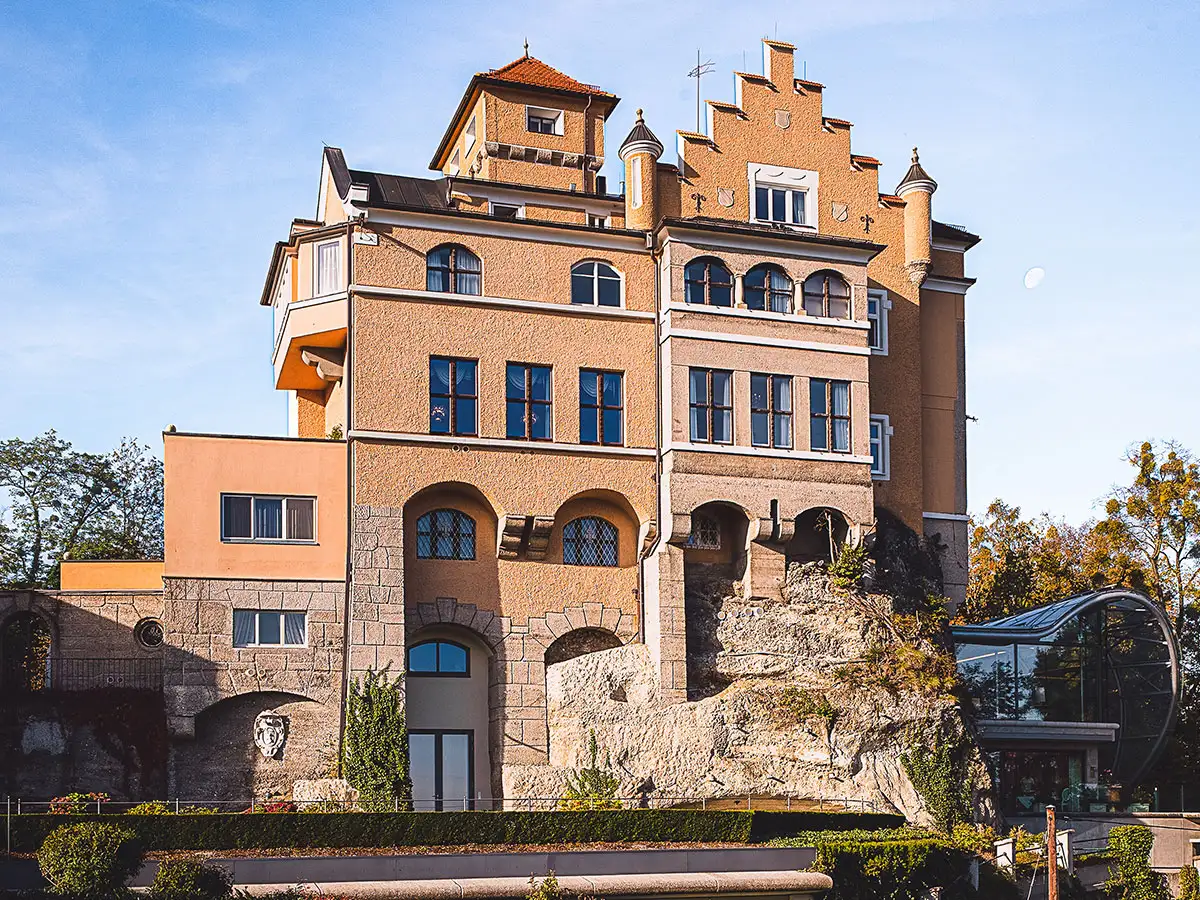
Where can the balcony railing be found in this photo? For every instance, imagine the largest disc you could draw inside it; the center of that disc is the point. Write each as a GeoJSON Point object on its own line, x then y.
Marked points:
{"type": "Point", "coordinates": [136, 674]}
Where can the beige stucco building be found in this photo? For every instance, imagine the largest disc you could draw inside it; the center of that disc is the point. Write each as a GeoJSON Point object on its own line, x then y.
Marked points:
{"type": "Point", "coordinates": [530, 404]}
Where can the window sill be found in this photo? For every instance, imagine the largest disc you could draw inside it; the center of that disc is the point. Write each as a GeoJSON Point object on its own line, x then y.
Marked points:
{"type": "Point", "coordinates": [269, 541]}
{"type": "Point", "coordinates": [791, 226]}
{"type": "Point", "coordinates": [769, 316]}
{"type": "Point", "coordinates": [270, 646]}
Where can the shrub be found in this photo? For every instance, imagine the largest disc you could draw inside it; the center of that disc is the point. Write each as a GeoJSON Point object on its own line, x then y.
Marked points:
{"type": "Point", "coordinates": [847, 570]}
{"type": "Point", "coordinates": [150, 808]}
{"type": "Point", "coordinates": [800, 705]}
{"type": "Point", "coordinates": [592, 787]}
{"type": "Point", "coordinates": [973, 838]}
{"type": "Point", "coordinates": [185, 878]}
{"type": "Point", "coordinates": [375, 750]}
{"type": "Point", "coordinates": [90, 859]}
{"type": "Point", "coordinates": [546, 889]}
{"type": "Point", "coordinates": [939, 774]}
{"type": "Point", "coordinates": [76, 803]}
{"type": "Point", "coordinates": [1189, 883]}
{"type": "Point", "coordinates": [273, 806]}
{"type": "Point", "coordinates": [1130, 845]}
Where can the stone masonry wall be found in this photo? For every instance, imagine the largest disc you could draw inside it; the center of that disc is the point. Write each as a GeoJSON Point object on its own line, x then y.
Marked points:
{"type": "Point", "coordinates": [377, 590]}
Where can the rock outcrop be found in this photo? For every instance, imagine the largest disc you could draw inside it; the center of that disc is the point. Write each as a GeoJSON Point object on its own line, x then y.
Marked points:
{"type": "Point", "coordinates": [778, 711]}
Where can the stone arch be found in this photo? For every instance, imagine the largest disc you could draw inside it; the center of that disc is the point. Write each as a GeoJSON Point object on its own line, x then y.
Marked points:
{"type": "Point", "coordinates": [579, 642]}
{"type": "Point", "coordinates": [27, 642]}
{"type": "Point", "coordinates": [821, 532]}
{"type": "Point", "coordinates": [715, 545]}
{"type": "Point", "coordinates": [223, 763]}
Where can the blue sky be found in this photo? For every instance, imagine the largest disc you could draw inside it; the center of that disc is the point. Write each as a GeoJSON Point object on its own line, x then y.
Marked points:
{"type": "Point", "coordinates": [152, 152]}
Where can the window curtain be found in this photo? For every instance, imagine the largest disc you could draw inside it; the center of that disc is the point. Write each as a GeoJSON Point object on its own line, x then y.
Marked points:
{"type": "Point", "coordinates": [268, 518]}
{"type": "Point", "coordinates": [293, 628]}
{"type": "Point", "coordinates": [840, 393]}
{"type": "Point", "coordinates": [243, 627]}
{"type": "Point", "coordinates": [300, 520]}
{"type": "Point", "coordinates": [236, 518]}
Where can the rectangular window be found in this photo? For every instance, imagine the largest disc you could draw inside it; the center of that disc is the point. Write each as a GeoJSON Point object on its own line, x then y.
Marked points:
{"type": "Point", "coordinates": [269, 628]}
{"type": "Point", "coordinates": [506, 211]}
{"type": "Point", "coordinates": [785, 206]}
{"type": "Point", "coordinates": [528, 396]}
{"type": "Point", "coordinates": [710, 398]}
{"type": "Point", "coordinates": [601, 407]}
{"type": "Point", "coordinates": [249, 517]}
{"type": "Point", "coordinates": [829, 415]}
{"type": "Point", "coordinates": [543, 121]}
{"type": "Point", "coordinates": [635, 182]}
{"type": "Point", "coordinates": [327, 280]}
{"type": "Point", "coordinates": [881, 434]}
{"type": "Point", "coordinates": [877, 315]}
{"type": "Point", "coordinates": [453, 396]}
{"type": "Point", "coordinates": [470, 132]}
{"type": "Point", "coordinates": [598, 221]}
{"type": "Point", "coordinates": [771, 411]}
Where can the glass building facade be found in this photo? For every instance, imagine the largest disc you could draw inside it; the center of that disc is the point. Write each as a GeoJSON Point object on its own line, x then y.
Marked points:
{"type": "Point", "coordinates": [1106, 657]}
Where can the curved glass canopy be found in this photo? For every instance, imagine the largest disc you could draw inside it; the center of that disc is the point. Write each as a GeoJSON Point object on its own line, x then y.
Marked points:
{"type": "Point", "coordinates": [1107, 656]}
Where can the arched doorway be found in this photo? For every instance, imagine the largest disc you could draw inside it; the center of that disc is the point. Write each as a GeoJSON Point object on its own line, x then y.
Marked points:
{"type": "Point", "coordinates": [25, 644]}
{"type": "Point", "coordinates": [446, 708]}
{"type": "Point", "coordinates": [820, 534]}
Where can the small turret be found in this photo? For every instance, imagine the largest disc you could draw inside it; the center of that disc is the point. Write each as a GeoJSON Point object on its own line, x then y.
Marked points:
{"type": "Point", "coordinates": [917, 190]}
{"type": "Point", "coordinates": [640, 152]}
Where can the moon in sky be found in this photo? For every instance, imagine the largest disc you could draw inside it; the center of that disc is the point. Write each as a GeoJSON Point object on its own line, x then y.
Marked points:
{"type": "Point", "coordinates": [1034, 277]}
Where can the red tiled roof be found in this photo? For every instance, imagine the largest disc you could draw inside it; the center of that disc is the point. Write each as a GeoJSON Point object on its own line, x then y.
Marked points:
{"type": "Point", "coordinates": [814, 85]}
{"type": "Point", "coordinates": [532, 71]}
{"type": "Point", "coordinates": [829, 120]}
{"type": "Point", "coordinates": [864, 160]}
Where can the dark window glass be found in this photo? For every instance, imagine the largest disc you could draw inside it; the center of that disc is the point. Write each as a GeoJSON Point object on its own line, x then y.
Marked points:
{"type": "Point", "coordinates": [708, 282]}
{"type": "Point", "coordinates": [269, 631]}
{"type": "Point", "coordinates": [452, 659]}
{"type": "Point", "coordinates": [453, 396]}
{"type": "Point", "coordinates": [595, 284]}
{"type": "Point", "coordinates": [827, 294]}
{"type": "Point", "coordinates": [540, 124]}
{"type": "Point", "coordinates": [768, 288]}
{"type": "Point", "coordinates": [452, 269]}
{"type": "Point", "coordinates": [762, 203]}
{"type": "Point", "coordinates": [439, 658]}
{"type": "Point", "coordinates": [771, 410]}
{"type": "Point", "coordinates": [590, 541]}
{"type": "Point", "coordinates": [528, 398]}
{"type": "Point", "coordinates": [601, 407]}
{"type": "Point", "coordinates": [710, 398]}
{"type": "Point", "coordinates": [445, 534]}
{"type": "Point", "coordinates": [268, 518]}
{"type": "Point", "coordinates": [423, 658]}
{"type": "Point", "coordinates": [235, 517]}
{"type": "Point", "coordinates": [829, 415]}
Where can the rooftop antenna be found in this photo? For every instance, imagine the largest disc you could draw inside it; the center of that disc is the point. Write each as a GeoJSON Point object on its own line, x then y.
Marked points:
{"type": "Point", "coordinates": [702, 68]}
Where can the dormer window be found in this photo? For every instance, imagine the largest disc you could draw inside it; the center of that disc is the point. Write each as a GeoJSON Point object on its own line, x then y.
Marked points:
{"type": "Point", "coordinates": [782, 195]}
{"type": "Point", "coordinates": [543, 121]}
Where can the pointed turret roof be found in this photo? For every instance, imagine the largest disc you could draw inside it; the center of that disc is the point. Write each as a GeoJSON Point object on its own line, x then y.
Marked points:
{"type": "Point", "coordinates": [916, 176]}
{"type": "Point", "coordinates": [641, 135]}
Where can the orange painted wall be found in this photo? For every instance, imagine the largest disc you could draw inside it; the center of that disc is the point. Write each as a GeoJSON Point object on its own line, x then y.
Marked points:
{"type": "Point", "coordinates": [199, 468]}
{"type": "Point", "coordinates": [114, 575]}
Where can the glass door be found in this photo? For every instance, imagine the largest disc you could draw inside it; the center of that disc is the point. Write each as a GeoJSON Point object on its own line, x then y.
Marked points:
{"type": "Point", "coordinates": [441, 764]}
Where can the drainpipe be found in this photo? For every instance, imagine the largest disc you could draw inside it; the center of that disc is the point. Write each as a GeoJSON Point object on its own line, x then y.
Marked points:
{"type": "Point", "coordinates": [348, 392]}
{"type": "Point", "coordinates": [655, 256]}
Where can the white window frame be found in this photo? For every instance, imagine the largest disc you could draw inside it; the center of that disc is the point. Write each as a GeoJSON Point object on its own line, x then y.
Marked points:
{"type": "Point", "coordinates": [469, 133]}
{"type": "Point", "coordinates": [881, 434]}
{"type": "Point", "coordinates": [880, 318]}
{"type": "Point", "coordinates": [635, 182]}
{"type": "Point", "coordinates": [519, 207]}
{"type": "Point", "coordinates": [604, 221]}
{"type": "Point", "coordinates": [282, 645]}
{"type": "Point", "coordinates": [543, 112]}
{"type": "Point", "coordinates": [316, 267]}
{"type": "Point", "coordinates": [786, 178]}
{"type": "Point", "coordinates": [596, 283]}
{"type": "Point", "coordinates": [286, 498]}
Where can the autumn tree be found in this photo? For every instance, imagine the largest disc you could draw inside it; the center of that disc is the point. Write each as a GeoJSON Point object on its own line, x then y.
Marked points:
{"type": "Point", "coordinates": [60, 501]}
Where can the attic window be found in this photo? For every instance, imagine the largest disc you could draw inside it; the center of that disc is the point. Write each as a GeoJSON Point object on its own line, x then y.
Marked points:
{"type": "Point", "coordinates": [455, 164]}
{"type": "Point", "coordinates": [543, 121]}
{"type": "Point", "coordinates": [508, 211]}
{"type": "Point", "coordinates": [470, 132]}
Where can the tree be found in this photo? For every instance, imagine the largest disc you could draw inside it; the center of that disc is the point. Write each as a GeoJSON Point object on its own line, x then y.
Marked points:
{"type": "Point", "coordinates": [63, 501]}
{"type": "Point", "coordinates": [1017, 564]}
{"type": "Point", "coordinates": [1158, 516]}
{"type": "Point", "coordinates": [375, 749]}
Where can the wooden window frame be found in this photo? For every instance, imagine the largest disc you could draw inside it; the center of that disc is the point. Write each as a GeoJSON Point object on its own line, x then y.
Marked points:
{"type": "Point", "coordinates": [527, 402]}
{"type": "Point", "coordinates": [771, 412]}
{"type": "Point", "coordinates": [454, 395]}
{"type": "Point", "coordinates": [710, 406]}
{"type": "Point", "coordinates": [598, 408]}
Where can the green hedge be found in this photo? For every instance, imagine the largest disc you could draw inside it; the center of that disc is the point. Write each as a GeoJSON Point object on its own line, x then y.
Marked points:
{"type": "Point", "coordinates": [263, 831]}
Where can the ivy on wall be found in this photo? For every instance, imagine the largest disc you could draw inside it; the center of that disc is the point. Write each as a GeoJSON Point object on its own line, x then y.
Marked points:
{"type": "Point", "coordinates": [939, 774]}
{"type": "Point", "coordinates": [1132, 878]}
{"type": "Point", "coordinates": [375, 749]}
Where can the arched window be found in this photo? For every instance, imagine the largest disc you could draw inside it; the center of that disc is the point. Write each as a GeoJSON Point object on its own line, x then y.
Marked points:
{"type": "Point", "coordinates": [439, 658]}
{"type": "Point", "coordinates": [595, 284]}
{"type": "Point", "coordinates": [445, 534]}
{"type": "Point", "coordinates": [768, 288]}
{"type": "Point", "coordinates": [705, 533]}
{"type": "Point", "coordinates": [827, 294]}
{"type": "Point", "coordinates": [590, 541]}
{"type": "Point", "coordinates": [25, 652]}
{"type": "Point", "coordinates": [452, 269]}
{"type": "Point", "coordinates": [708, 282]}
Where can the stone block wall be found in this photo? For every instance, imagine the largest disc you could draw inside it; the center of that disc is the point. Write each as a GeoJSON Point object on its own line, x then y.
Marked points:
{"type": "Point", "coordinates": [377, 590]}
